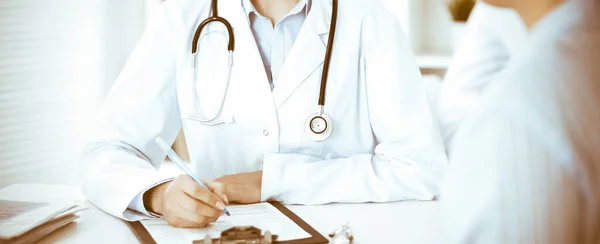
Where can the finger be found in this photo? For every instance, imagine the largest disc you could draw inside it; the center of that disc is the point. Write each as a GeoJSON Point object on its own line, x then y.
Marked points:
{"type": "Point", "coordinates": [198, 192]}
{"type": "Point", "coordinates": [218, 188]}
{"type": "Point", "coordinates": [199, 219]}
{"type": "Point", "coordinates": [195, 206]}
{"type": "Point", "coordinates": [214, 219]}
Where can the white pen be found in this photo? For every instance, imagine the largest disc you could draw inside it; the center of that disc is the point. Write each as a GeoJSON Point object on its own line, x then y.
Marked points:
{"type": "Point", "coordinates": [180, 164]}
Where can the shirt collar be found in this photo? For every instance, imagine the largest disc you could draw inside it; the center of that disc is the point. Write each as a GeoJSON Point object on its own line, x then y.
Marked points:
{"type": "Point", "coordinates": [305, 5]}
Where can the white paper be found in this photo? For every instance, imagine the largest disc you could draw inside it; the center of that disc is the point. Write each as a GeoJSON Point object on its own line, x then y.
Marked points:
{"type": "Point", "coordinates": [263, 216]}
{"type": "Point", "coordinates": [55, 201]}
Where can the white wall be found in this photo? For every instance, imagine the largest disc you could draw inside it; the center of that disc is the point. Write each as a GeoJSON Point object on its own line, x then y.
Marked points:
{"type": "Point", "coordinates": [57, 60]}
{"type": "Point", "coordinates": [124, 24]}
{"type": "Point", "coordinates": [437, 27]}
{"type": "Point", "coordinates": [427, 23]}
{"type": "Point", "coordinates": [428, 26]}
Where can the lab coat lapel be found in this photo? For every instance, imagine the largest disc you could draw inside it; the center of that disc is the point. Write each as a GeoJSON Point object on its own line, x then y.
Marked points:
{"type": "Point", "coordinates": [248, 69]}
{"type": "Point", "coordinates": [307, 53]}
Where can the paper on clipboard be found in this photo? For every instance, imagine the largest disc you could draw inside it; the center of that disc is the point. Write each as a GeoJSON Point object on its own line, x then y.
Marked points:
{"type": "Point", "coordinates": [263, 216]}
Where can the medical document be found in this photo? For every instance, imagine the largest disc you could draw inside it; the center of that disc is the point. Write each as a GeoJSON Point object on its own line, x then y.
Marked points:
{"type": "Point", "coordinates": [263, 216]}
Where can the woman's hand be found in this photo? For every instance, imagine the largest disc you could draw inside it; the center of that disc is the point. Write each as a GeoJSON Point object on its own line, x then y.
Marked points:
{"type": "Point", "coordinates": [186, 204]}
{"type": "Point", "coordinates": [242, 188]}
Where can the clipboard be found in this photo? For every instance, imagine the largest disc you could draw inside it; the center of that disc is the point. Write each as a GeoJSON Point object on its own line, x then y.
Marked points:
{"type": "Point", "coordinates": [316, 238]}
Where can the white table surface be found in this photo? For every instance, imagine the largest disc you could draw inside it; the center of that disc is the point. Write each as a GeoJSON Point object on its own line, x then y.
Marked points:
{"type": "Point", "coordinates": [401, 222]}
{"type": "Point", "coordinates": [379, 223]}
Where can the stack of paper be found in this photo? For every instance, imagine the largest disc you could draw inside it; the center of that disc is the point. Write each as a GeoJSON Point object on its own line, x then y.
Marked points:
{"type": "Point", "coordinates": [30, 212]}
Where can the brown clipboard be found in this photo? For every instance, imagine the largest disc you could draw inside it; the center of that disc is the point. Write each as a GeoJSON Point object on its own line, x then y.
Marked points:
{"type": "Point", "coordinates": [316, 238]}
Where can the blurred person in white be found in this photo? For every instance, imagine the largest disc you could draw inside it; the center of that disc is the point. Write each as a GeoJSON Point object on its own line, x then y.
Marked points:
{"type": "Point", "coordinates": [492, 37]}
{"type": "Point", "coordinates": [385, 146]}
{"type": "Point", "coordinates": [526, 167]}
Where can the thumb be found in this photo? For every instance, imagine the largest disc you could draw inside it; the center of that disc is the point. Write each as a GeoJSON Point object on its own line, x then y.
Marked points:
{"type": "Point", "coordinates": [218, 189]}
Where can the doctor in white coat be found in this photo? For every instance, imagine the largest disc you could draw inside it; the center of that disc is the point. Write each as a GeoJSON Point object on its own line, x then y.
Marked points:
{"type": "Point", "coordinates": [384, 145]}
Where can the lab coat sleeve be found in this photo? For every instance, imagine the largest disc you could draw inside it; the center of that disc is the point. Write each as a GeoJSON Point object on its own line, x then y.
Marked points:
{"type": "Point", "coordinates": [120, 162]}
{"type": "Point", "coordinates": [408, 162]}
{"type": "Point", "coordinates": [138, 202]}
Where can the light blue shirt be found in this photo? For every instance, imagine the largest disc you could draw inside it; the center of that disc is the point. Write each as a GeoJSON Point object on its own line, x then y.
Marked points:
{"type": "Point", "coordinates": [273, 42]}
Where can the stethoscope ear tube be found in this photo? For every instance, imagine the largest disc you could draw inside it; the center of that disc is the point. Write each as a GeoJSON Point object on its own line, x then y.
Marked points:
{"type": "Point", "coordinates": [214, 18]}
{"type": "Point", "coordinates": [231, 44]}
{"type": "Point", "coordinates": [212, 120]}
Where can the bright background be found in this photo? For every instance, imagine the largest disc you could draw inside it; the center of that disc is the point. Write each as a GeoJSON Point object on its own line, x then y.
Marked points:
{"type": "Point", "coordinates": [58, 59]}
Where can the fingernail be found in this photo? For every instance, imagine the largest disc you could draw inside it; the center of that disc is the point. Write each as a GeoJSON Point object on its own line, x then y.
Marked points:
{"type": "Point", "coordinates": [220, 205]}
{"type": "Point", "coordinates": [225, 198]}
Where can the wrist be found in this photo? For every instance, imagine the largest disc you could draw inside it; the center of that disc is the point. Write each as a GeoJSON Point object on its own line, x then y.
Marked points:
{"type": "Point", "coordinates": [153, 198]}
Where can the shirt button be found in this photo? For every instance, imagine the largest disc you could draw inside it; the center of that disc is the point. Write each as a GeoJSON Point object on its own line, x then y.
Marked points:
{"type": "Point", "coordinates": [265, 132]}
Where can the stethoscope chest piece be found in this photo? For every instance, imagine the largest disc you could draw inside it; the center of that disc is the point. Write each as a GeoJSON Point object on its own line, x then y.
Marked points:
{"type": "Point", "coordinates": [318, 126]}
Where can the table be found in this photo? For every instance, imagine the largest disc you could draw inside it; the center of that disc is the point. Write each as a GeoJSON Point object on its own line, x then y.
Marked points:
{"type": "Point", "coordinates": [400, 222]}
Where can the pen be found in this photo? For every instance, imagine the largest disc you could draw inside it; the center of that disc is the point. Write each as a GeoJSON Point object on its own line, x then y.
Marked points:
{"type": "Point", "coordinates": [180, 164]}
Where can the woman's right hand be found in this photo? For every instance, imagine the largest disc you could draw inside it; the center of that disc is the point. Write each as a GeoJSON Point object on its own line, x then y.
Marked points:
{"type": "Point", "coordinates": [185, 204]}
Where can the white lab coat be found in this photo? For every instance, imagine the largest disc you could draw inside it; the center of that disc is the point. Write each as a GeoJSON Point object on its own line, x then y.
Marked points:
{"type": "Point", "coordinates": [384, 146]}
{"type": "Point", "coordinates": [526, 167]}
{"type": "Point", "coordinates": [493, 36]}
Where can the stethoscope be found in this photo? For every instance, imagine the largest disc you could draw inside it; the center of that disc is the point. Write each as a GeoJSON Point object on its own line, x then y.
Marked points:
{"type": "Point", "coordinates": [318, 126]}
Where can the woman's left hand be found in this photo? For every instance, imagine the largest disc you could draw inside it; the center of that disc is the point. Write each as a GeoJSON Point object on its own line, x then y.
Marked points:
{"type": "Point", "coordinates": [244, 188]}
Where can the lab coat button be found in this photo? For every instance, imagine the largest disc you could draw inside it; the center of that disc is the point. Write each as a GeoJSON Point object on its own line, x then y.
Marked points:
{"type": "Point", "coordinates": [265, 132]}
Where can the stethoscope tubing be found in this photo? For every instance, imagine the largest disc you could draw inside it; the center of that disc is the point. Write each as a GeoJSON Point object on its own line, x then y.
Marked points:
{"type": "Point", "coordinates": [214, 17]}
{"type": "Point", "coordinates": [329, 52]}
